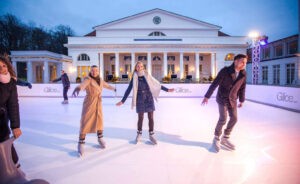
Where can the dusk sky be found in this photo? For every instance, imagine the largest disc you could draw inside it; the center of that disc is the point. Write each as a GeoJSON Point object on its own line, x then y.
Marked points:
{"type": "Point", "coordinates": [274, 18]}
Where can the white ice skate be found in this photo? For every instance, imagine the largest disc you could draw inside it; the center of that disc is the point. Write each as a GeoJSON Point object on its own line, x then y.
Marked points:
{"type": "Point", "coordinates": [152, 139]}
{"type": "Point", "coordinates": [80, 148]}
{"type": "Point", "coordinates": [101, 142]}
{"type": "Point", "coordinates": [65, 102]}
{"type": "Point", "coordinates": [138, 138]}
{"type": "Point", "coordinates": [225, 142]}
{"type": "Point", "coordinates": [216, 144]}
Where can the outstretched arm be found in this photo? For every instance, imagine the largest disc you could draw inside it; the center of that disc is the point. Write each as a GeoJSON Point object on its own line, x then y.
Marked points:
{"type": "Point", "coordinates": [127, 92]}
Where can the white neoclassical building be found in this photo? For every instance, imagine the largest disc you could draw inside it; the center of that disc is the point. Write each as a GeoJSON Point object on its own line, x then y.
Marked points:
{"type": "Point", "coordinates": [40, 66]}
{"type": "Point", "coordinates": [167, 43]}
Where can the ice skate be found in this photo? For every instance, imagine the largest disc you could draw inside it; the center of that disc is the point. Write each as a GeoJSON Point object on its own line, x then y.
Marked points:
{"type": "Point", "coordinates": [138, 137]}
{"type": "Point", "coordinates": [152, 139]}
{"type": "Point", "coordinates": [80, 148]}
{"type": "Point", "coordinates": [101, 142]}
{"type": "Point", "coordinates": [65, 102]}
{"type": "Point", "coordinates": [216, 144]}
{"type": "Point", "coordinates": [225, 142]}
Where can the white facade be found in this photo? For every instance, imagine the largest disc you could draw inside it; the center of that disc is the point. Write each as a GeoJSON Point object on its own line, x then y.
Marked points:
{"type": "Point", "coordinates": [167, 43]}
{"type": "Point", "coordinates": [39, 66]}
{"type": "Point", "coordinates": [279, 63]}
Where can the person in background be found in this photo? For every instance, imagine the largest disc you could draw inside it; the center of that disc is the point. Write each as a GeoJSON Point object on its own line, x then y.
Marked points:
{"type": "Point", "coordinates": [66, 85]}
{"type": "Point", "coordinates": [91, 115]}
{"type": "Point", "coordinates": [145, 88]}
{"type": "Point", "coordinates": [232, 83]}
{"type": "Point", "coordinates": [9, 106]}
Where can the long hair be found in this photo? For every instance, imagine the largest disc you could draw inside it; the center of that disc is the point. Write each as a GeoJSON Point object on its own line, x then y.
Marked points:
{"type": "Point", "coordinates": [138, 62]}
{"type": "Point", "coordinates": [9, 66]}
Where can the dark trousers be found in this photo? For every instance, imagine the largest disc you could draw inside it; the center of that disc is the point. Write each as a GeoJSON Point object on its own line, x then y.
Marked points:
{"type": "Point", "coordinates": [65, 93]}
{"type": "Point", "coordinates": [140, 121]}
{"type": "Point", "coordinates": [13, 150]}
{"type": "Point", "coordinates": [224, 110]}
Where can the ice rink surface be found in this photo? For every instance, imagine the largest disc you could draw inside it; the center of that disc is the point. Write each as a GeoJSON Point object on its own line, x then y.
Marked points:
{"type": "Point", "coordinates": [267, 141]}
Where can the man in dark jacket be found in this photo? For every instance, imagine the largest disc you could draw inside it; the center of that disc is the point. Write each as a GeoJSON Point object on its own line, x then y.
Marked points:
{"type": "Point", "coordinates": [66, 85]}
{"type": "Point", "coordinates": [232, 83]}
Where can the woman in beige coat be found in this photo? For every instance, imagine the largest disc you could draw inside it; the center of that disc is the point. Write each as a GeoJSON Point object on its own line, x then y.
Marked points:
{"type": "Point", "coordinates": [91, 116]}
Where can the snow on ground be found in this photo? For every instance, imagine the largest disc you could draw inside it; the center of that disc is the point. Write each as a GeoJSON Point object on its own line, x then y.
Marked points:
{"type": "Point", "coordinates": [267, 141]}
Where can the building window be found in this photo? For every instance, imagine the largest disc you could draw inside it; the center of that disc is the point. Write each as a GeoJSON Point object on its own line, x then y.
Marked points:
{"type": "Point", "coordinates": [200, 68]}
{"type": "Point", "coordinates": [186, 58]}
{"type": "Point", "coordinates": [201, 58]}
{"type": "Point", "coordinates": [156, 58]}
{"type": "Point", "coordinates": [278, 50]}
{"type": "Point", "coordinates": [113, 70]}
{"type": "Point", "coordinates": [290, 73]}
{"type": "Point", "coordinates": [186, 70]}
{"type": "Point", "coordinates": [83, 57]}
{"type": "Point", "coordinates": [276, 74]}
{"type": "Point", "coordinates": [171, 69]}
{"type": "Point", "coordinates": [229, 57]}
{"type": "Point", "coordinates": [172, 58]}
{"type": "Point", "coordinates": [127, 58]}
{"type": "Point", "coordinates": [157, 33]}
{"type": "Point", "coordinates": [127, 68]}
{"type": "Point", "coordinates": [265, 74]}
{"type": "Point", "coordinates": [142, 58]}
{"type": "Point", "coordinates": [83, 71]}
{"type": "Point", "coordinates": [292, 47]}
{"type": "Point", "coordinates": [266, 53]}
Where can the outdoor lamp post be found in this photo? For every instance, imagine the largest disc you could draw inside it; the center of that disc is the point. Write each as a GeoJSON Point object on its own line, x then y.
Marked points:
{"type": "Point", "coordinates": [257, 42]}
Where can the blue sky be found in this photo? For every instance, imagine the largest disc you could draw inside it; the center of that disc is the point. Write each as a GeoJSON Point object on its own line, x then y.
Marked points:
{"type": "Point", "coordinates": [274, 18]}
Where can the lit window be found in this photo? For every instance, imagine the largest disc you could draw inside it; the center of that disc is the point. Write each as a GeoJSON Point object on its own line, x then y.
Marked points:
{"type": "Point", "coordinates": [229, 57]}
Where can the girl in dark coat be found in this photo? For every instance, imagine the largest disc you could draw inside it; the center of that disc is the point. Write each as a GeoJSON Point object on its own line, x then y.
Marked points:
{"type": "Point", "coordinates": [9, 106]}
{"type": "Point", "coordinates": [145, 88]}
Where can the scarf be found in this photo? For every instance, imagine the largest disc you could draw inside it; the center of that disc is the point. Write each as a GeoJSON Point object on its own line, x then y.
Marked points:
{"type": "Point", "coordinates": [97, 79]}
{"type": "Point", "coordinates": [153, 84]}
{"type": "Point", "coordinates": [5, 78]}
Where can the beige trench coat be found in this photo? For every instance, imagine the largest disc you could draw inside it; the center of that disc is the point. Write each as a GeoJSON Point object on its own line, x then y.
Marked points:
{"type": "Point", "coordinates": [91, 115]}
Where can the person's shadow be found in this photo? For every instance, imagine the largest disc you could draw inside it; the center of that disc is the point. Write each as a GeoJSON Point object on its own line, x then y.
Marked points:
{"type": "Point", "coordinates": [129, 134]}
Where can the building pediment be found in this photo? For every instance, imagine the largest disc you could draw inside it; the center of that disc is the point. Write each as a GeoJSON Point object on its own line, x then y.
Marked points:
{"type": "Point", "coordinates": [157, 19]}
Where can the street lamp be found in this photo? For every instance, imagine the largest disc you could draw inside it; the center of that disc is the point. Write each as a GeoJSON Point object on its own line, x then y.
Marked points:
{"type": "Point", "coordinates": [257, 42]}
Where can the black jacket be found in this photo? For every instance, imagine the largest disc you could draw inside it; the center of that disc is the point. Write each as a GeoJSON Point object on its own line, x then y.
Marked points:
{"type": "Point", "coordinates": [64, 79]}
{"type": "Point", "coordinates": [9, 108]}
{"type": "Point", "coordinates": [230, 87]}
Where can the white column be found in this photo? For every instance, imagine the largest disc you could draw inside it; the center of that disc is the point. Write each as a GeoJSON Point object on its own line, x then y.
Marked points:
{"type": "Point", "coordinates": [213, 65]}
{"type": "Point", "coordinates": [197, 67]}
{"type": "Point", "coordinates": [132, 62]}
{"type": "Point", "coordinates": [149, 59]}
{"type": "Point", "coordinates": [29, 71]}
{"type": "Point", "coordinates": [101, 64]}
{"type": "Point", "coordinates": [117, 67]}
{"type": "Point", "coordinates": [14, 63]}
{"type": "Point", "coordinates": [181, 65]}
{"type": "Point", "coordinates": [165, 64]}
{"type": "Point", "coordinates": [46, 72]}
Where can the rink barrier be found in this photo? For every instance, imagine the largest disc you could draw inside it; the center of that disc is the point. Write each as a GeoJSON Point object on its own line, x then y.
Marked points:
{"type": "Point", "coordinates": [277, 96]}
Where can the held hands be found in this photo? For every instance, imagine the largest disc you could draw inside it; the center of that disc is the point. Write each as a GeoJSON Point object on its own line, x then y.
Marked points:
{"type": "Point", "coordinates": [119, 103]}
{"type": "Point", "coordinates": [76, 92]}
{"type": "Point", "coordinates": [17, 132]}
{"type": "Point", "coordinates": [204, 101]}
{"type": "Point", "coordinates": [171, 90]}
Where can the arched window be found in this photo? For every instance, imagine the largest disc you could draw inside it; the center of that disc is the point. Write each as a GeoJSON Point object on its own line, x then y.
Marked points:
{"type": "Point", "coordinates": [229, 57]}
{"type": "Point", "coordinates": [83, 57]}
{"type": "Point", "coordinates": [157, 33]}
